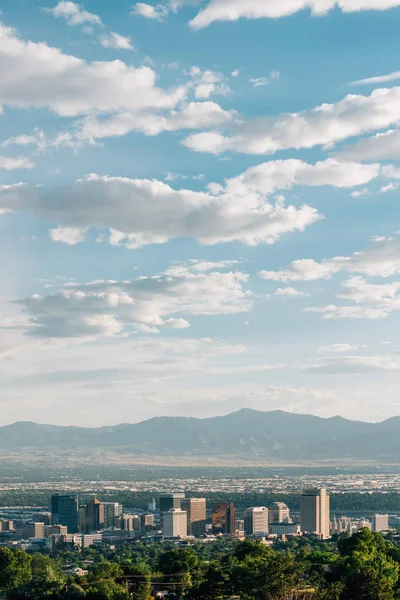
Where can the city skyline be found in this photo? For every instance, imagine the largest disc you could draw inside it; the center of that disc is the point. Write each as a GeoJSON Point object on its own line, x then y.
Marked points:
{"type": "Point", "coordinates": [198, 209]}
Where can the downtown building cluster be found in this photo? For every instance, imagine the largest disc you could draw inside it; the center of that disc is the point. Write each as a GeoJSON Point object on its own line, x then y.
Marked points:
{"type": "Point", "coordinates": [70, 525]}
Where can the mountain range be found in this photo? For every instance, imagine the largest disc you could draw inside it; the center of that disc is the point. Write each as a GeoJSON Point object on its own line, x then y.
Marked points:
{"type": "Point", "coordinates": [247, 434]}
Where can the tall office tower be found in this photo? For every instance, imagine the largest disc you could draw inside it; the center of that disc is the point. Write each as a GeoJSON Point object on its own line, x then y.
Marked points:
{"type": "Point", "coordinates": [196, 515]}
{"type": "Point", "coordinates": [168, 501]}
{"type": "Point", "coordinates": [223, 518]}
{"type": "Point", "coordinates": [279, 513]}
{"type": "Point", "coordinates": [146, 522]}
{"type": "Point", "coordinates": [128, 522]}
{"type": "Point", "coordinates": [175, 523]}
{"type": "Point", "coordinates": [380, 522]}
{"type": "Point", "coordinates": [34, 530]}
{"type": "Point", "coordinates": [256, 520]}
{"type": "Point", "coordinates": [94, 515]}
{"type": "Point", "coordinates": [111, 511]}
{"type": "Point", "coordinates": [64, 511]}
{"type": "Point", "coordinates": [314, 512]}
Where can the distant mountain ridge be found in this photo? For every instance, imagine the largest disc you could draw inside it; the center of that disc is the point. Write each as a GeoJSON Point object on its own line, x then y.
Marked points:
{"type": "Point", "coordinates": [247, 433]}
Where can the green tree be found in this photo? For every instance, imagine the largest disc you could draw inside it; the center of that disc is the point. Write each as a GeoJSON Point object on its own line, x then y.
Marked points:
{"type": "Point", "coordinates": [176, 566]}
{"type": "Point", "coordinates": [15, 568]}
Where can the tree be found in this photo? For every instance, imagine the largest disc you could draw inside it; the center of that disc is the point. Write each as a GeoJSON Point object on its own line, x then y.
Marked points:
{"type": "Point", "coordinates": [176, 566]}
{"type": "Point", "coordinates": [139, 581]}
{"type": "Point", "coordinates": [15, 568]}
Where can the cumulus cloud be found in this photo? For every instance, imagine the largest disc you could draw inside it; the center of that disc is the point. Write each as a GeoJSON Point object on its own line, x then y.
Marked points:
{"type": "Point", "coordinates": [73, 14]}
{"type": "Point", "coordinates": [232, 10]}
{"type": "Point", "coordinates": [382, 146]}
{"type": "Point", "coordinates": [320, 126]}
{"type": "Point", "coordinates": [373, 301]}
{"type": "Point", "coordinates": [68, 235]}
{"type": "Point", "coordinates": [7, 163]}
{"type": "Point", "coordinates": [145, 304]}
{"type": "Point", "coordinates": [35, 75]}
{"type": "Point", "coordinates": [381, 259]}
{"type": "Point", "coordinates": [139, 212]}
{"type": "Point", "coordinates": [290, 291]}
{"type": "Point", "coordinates": [194, 115]}
{"type": "Point", "coordinates": [116, 41]}
{"type": "Point", "coordinates": [148, 11]}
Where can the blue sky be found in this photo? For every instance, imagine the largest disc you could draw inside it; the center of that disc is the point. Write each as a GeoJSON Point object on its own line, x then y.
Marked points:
{"type": "Point", "coordinates": [199, 208]}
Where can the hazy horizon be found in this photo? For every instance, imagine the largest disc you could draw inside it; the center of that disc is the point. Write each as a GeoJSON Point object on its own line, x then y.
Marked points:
{"type": "Point", "coordinates": [199, 209]}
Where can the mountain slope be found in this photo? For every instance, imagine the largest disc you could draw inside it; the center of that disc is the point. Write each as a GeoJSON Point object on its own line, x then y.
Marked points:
{"type": "Point", "coordinates": [247, 433]}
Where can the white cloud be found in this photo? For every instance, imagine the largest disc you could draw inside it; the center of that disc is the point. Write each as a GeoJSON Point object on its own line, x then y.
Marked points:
{"type": "Point", "coordinates": [271, 176]}
{"type": "Point", "coordinates": [207, 82]}
{"type": "Point", "coordinates": [35, 75]}
{"type": "Point", "coordinates": [195, 115]}
{"type": "Point", "coordinates": [69, 236]}
{"type": "Point", "coordinates": [382, 146]}
{"type": "Point", "coordinates": [235, 73]}
{"type": "Point", "coordinates": [354, 364]}
{"type": "Point", "coordinates": [349, 312]}
{"type": "Point", "coordinates": [290, 291]}
{"type": "Point", "coordinates": [390, 187]}
{"type": "Point", "coordinates": [148, 11]}
{"type": "Point", "coordinates": [336, 348]}
{"type": "Point", "coordinates": [145, 304]}
{"type": "Point", "coordinates": [381, 259]}
{"type": "Point", "coordinates": [73, 13]}
{"type": "Point", "coordinates": [320, 126]}
{"type": "Point", "coordinates": [380, 79]}
{"type": "Point", "coordinates": [232, 10]}
{"type": "Point", "coordinates": [116, 41]}
{"type": "Point", "coordinates": [139, 212]}
{"type": "Point", "coordinates": [259, 81]}
{"type": "Point", "coordinates": [7, 163]}
{"type": "Point", "coordinates": [361, 193]}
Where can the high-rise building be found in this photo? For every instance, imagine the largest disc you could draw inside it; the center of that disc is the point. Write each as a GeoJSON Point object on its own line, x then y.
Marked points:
{"type": "Point", "coordinates": [129, 522]}
{"type": "Point", "coordinates": [94, 515]}
{"type": "Point", "coordinates": [146, 522]}
{"type": "Point", "coordinates": [256, 520]}
{"type": "Point", "coordinates": [223, 518]}
{"type": "Point", "coordinates": [314, 512]}
{"type": "Point", "coordinates": [58, 530]}
{"type": "Point", "coordinates": [281, 529]}
{"type": "Point", "coordinates": [168, 501]}
{"type": "Point", "coordinates": [196, 515]}
{"type": "Point", "coordinates": [6, 525]}
{"type": "Point", "coordinates": [175, 523]}
{"type": "Point", "coordinates": [111, 511]}
{"type": "Point", "coordinates": [380, 522]}
{"type": "Point", "coordinates": [34, 530]}
{"type": "Point", "coordinates": [278, 512]}
{"type": "Point", "coordinates": [64, 511]}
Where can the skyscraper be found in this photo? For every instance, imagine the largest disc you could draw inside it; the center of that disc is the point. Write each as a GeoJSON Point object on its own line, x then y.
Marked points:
{"type": "Point", "coordinates": [168, 501]}
{"type": "Point", "coordinates": [314, 512]}
{"type": "Point", "coordinates": [279, 513]}
{"type": "Point", "coordinates": [196, 515]}
{"type": "Point", "coordinates": [111, 511]}
{"type": "Point", "coordinates": [256, 520]}
{"type": "Point", "coordinates": [175, 523]}
{"type": "Point", "coordinates": [223, 518]}
{"type": "Point", "coordinates": [64, 511]}
{"type": "Point", "coordinates": [94, 515]}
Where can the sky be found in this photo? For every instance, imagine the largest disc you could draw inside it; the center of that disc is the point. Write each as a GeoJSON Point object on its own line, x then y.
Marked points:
{"type": "Point", "coordinates": [199, 209]}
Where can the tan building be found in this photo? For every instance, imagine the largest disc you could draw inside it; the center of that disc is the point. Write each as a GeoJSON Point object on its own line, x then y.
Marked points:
{"type": "Point", "coordinates": [175, 523]}
{"type": "Point", "coordinates": [6, 526]}
{"type": "Point", "coordinates": [196, 515]}
{"type": "Point", "coordinates": [34, 530]}
{"type": "Point", "coordinates": [111, 511]}
{"type": "Point", "coordinates": [278, 512]}
{"type": "Point", "coordinates": [256, 520]}
{"type": "Point", "coordinates": [380, 522]}
{"type": "Point", "coordinates": [315, 513]}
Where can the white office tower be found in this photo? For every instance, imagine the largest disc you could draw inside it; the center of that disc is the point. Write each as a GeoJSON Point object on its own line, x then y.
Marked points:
{"type": "Point", "coordinates": [380, 522]}
{"type": "Point", "coordinates": [175, 523]}
{"type": "Point", "coordinates": [314, 512]}
{"type": "Point", "coordinates": [256, 520]}
{"type": "Point", "coordinates": [279, 512]}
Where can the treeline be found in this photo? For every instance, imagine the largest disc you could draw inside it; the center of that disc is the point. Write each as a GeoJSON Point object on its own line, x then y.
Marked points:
{"type": "Point", "coordinates": [374, 502]}
{"type": "Point", "coordinates": [362, 567]}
